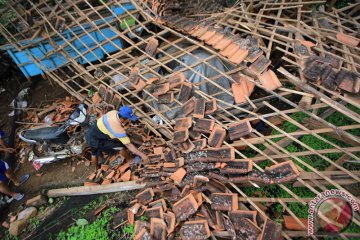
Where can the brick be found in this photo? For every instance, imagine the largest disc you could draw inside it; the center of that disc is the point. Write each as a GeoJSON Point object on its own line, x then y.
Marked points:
{"type": "Point", "coordinates": [283, 172]}
{"type": "Point", "coordinates": [170, 221]}
{"type": "Point", "coordinates": [166, 98]}
{"type": "Point", "coordinates": [269, 80]}
{"type": "Point", "coordinates": [224, 201]}
{"type": "Point", "coordinates": [254, 54]}
{"type": "Point", "coordinates": [178, 175]}
{"type": "Point", "coordinates": [347, 39]}
{"type": "Point", "coordinates": [187, 146]}
{"type": "Point", "coordinates": [145, 196]}
{"type": "Point", "coordinates": [259, 65]}
{"type": "Point", "coordinates": [212, 155]}
{"type": "Point", "coordinates": [239, 56]}
{"type": "Point", "coordinates": [183, 123]}
{"type": "Point", "coordinates": [199, 108]}
{"type": "Point", "coordinates": [188, 107]}
{"type": "Point", "coordinates": [152, 46]}
{"type": "Point", "coordinates": [204, 125]}
{"type": "Point", "coordinates": [143, 235]}
{"type": "Point", "coordinates": [239, 129]}
{"type": "Point", "coordinates": [242, 90]}
{"type": "Point", "coordinates": [185, 92]}
{"type": "Point", "coordinates": [180, 136]}
{"type": "Point", "coordinates": [158, 228]}
{"type": "Point", "coordinates": [270, 231]}
{"type": "Point", "coordinates": [199, 144]}
{"type": "Point", "coordinates": [154, 212]}
{"type": "Point", "coordinates": [185, 208]}
{"type": "Point", "coordinates": [292, 224]}
{"type": "Point", "coordinates": [217, 137]}
{"type": "Point", "coordinates": [210, 106]}
{"type": "Point", "coordinates": [161, 89]}
{"type": "Point", "coordinates": [198, 229]}
{"type": "Point", "coordinates": [176, 79]}
{"type": "Point", "coordinates": [37, 201]}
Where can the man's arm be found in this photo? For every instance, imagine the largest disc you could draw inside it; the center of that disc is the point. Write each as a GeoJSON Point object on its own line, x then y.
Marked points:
{"type": "Point", "coordinates": [4, 148]}
{"type": "Point", "coordinates": [136, 151]}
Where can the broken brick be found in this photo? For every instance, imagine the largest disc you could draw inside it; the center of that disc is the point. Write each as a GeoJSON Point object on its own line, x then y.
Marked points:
{"type": "Point", "coordinates": [188, 107]}
{"type": "Point", "coordinates": [198, 229]}
{"type": "Point", "coordinates": [269, 80]}
{"type": "Point", "coordinates": [224, 201]}
{"type": "Point", "coordinates": [158, 228]}
{"type": "Point", "coordinates": [178, 175]}
{"type": "Point", "coordinates": [239, 129]}
{"type": "Point", "coordinates": [210, 106]}
{"type": "Point", "coordinates": [152, 46]}
{"type": "Point", "coordinates": [185, 92]}
{"type": "Point", "coordinates": [185, 207]}
{"type": "Point", "coordinates": [183, 123]}
{"type": "Point", "coordinates": [166, 98]}
{"type": "Point", "coordinates": [242, 90]}
{"type": "Point", "coordinates": [199, 108]}
{"type": "Point", "coordinates": [204, 125]}
{"type": "Point", "coordinates": [176, 79]}
{"type": "Point", "coordinates": [259, 65]}
{"type": "Point", "coordinates": [181, 136]}
{"type": "Point", "coordinates": [217, 137]}
{"type": "Point", "coordinates": [347, 39]}
{"type": "Point", "coordinates": [145, 196]}
{"type": "Point", "coordinates": [161, 89]}
{"type": "Point", "coordinates": [155, 212]}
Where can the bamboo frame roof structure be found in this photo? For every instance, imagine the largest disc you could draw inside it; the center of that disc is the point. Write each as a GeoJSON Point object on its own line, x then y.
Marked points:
{"type": "Point", "coordinates": [277, 25]}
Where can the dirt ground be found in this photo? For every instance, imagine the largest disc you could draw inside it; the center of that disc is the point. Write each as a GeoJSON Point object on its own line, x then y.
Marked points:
{"type": "Point", "coordinates": [56, 175]}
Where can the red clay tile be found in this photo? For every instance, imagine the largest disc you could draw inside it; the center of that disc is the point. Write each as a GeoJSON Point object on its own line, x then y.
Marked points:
{"type": "Point", "coordinates": [185, 92]}
{"type": "Point", "coordinates": [145, 196]}
{"type": "Point", "coordinates": [169, 165]}
{"type": "Point", "coordinates": [140, 225]}
{"type": "Point", "coordinates": [176, 79]}
{"type": "Point", "coordinates": [259, 65]}
{"type": "Point", "coordinates": [215, 39]}
{"type": "Point", "coordinates": [270, 231]}
{"type": "Point", "coordinates": [143, 235]}
{"type": "Point", "coordinates": [223, 43]}
{"type": "Point", "coordinates": [217, 137]}
{"type": "Point", "coordinates": [123, 167]}
{"type": "Point", "coordinates": [230, 50]}
{"type": "Point", "coordinates": [292, 224]}
{"type": "Point", "coordinates": [181, 136]}
{"type": "Point", "coordinates": [170, 221]}
{"type": "Point", "coordinates": [134, 76]}
{"type": "Point", "coordinates": [199, 108]}
{"type": "Point", "coordinates": [166, 98]}
{"type": "Point", "coordinates": [102, 90]}
{"type": "Point", "coordinates": [106, 182]}
{"type": "Point", "coordinates": [183, 123]}
{"type": "Point", "coordinates": [242, 90]}
{"type": "Point", "coordinates": [236, 216]}
{"type": "Point", "coordinates": [161, 89]}
{"type": "Point", "coordinates": [283, 172]}
{"type": "Point", "coordinates": [208, 35]}
{"type": "Point", "coordinates": [110, 175]}
{"type": "Point", "coordinates": [254, 54]}
{"type": "Point", "coordinates": [199, 181]}
{"type": "Point", "coordinates": [159, 203]}
{"type": "Point", "coordinates": [239, 129]}
{"type": "Point", "coordinates": [347, 39]}
{"type": "Point", "coordinates": [222, 154]}
{"type": "Point", "coordinates": [199, 32]}
{"type": "Point", "coordinates": [141, 84]}
{"type": "Point", "coordinates": [224, 201]}
{"type": "Point", "coordinates": [204, 125]}
{"type": "Point", "coordinates": [187, 146]}
{"type": "Point", "coordinates": [92, 176]}
{"type": "Point", "coordinates": [238, 167]}
{"type": "Point", "coordinates": [152, 46]}
{"type": "Point", "coordinates": [188, 107]}
{"type": "Point", "coordinates": [158, 228]}
{"type": "Point", "coordinates": [185, 207]}
{"type": "Point", "coordinates": [269, 80]}
{"type": "Point", "coordinates": [198, 229]}
{"type": "Point", "coordinates": [239, 56]}
{"type": "Point", "coordinates": [210, 106]}
{"type": "Point", "coordinates": [126, 176]}
{"type": "Point", "coordinates": [154, 212]}
{"type": "Point", "coordinates": [199, 144]}
{"type": "Point", "coordinates": [178, 175]}
{"type": "Point", "coordinates": [96, 99]}
{"type": "Point", "coordinates": [104, 167]}
{"type": "Point", "coordinates": [159, 150]}
{"type": "Point", "coordinates": [100, 209]}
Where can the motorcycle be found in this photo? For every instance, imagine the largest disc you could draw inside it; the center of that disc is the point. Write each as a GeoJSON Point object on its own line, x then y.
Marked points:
{"type": "Point", "coordinates": [53, 143]}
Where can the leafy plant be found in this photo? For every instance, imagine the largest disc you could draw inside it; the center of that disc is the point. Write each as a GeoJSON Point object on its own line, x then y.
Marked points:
{"type": "Point", "coordinates": [130, 229]}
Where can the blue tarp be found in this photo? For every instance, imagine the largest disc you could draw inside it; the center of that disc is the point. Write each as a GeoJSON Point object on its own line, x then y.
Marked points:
{"type": "Point", "coordinates": [25, 58]}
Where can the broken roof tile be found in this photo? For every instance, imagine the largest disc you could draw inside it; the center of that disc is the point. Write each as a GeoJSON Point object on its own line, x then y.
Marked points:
{"type": "Point", "coordinates": [145, 196]}
{"type": "Point", "coordinates": [158, 228]}
{"type": "Point", "coordinates": [152, 46]}
{"type": "Point", "coordinates": [185, 92]}
{"type": "Point", "coordinates": [199, 144]}
{"type": "Point", "coordinates": [292, 224]}
{"type": "Point", "coordinates": [313, 70]}
{"type": "Point", "coordinates": [161, 89]}
{"type": "Point", "coordinates": [176, 79]}
{"type": "Point", "coordinates": [198, 229]}
{"type": "Point", "coordinates": [185, 207]}
{"type": "Point", "coordinates": [181, 136]}
{"type": "Point", "coordinates": [178, 175]}
{"type": "Point", "coordinates": [347, 39]}
{"type": "Point", "coordinates": [187, 146]}
{"type": "Point", "coordinates": [283, 172]}
{"type": "Point", "coordinates": [210, 106]}
{"type": "Point", "coordinates": [270, 231]}
{"type": "Point", "coordinates": [269, 80]}
{"type": "Point", "coordinates": [217, 137]}
{"type": "Point", "coordinates": [235, 216]}
{"type": "Point", "coordinates": [188, 107]}
{"type": "Point", "coordinates": [183, 123]}
{"type": "Point", "coordinates": [254, 54]}
{"type": "Point", "coordinates": [199, 108]}
{"type": "Point", "coordinates": [259, 65]}
{"type": "Point", "coordinates": [239, 129]}
{"type": "Point", "coordinates": [143, 235]}
{"type": "Point", "coordinates": [348, 81]}
{"type": "Point", "coordinates": [170, 221]}
{"type": "Point", "coordinates": [204, 125]}
{"type": "Point", "coordinates": [166, 98]}
{"type": "Point", "coordinates": [212, 155]}
{"type": "Point", "coordinates": [242, 90]}
{"type": "Point", "coordinates": [224, 201]}
{"type": "Point", "coordinates": [154, 212]}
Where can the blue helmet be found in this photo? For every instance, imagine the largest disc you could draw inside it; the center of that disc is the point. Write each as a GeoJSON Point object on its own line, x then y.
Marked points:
{"type": "Point", "coordinates": [127, 113]}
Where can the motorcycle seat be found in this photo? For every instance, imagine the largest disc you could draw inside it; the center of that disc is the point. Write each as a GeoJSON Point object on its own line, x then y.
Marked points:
{"type": "Point", "coordinates": [43, 134]}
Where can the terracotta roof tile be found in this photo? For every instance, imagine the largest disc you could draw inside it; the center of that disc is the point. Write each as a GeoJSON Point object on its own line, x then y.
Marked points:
{"type": "Point", "coordinates": [158, 228]}
{"type": "Point", "coordinates": [183, 123]}
{"type": "Point", "coordinates": [198, 229]}
{"type": "Point", "coordinates": [199, 108]}
{"type": "Point", "coordinates": [259, 65]}
{"type": "Point", "coordinates": [292, 224]}
{"type": "Point", "coordinates": [152, 46]}
{"type": "Point", "coordinates": [185, 92]}
{"type": "Point", "coordinates": [269, 80]}
{"type": "Point", "coordinates": [242, 90]}
{"type": "Point", "coordinates": [224, 201]}
{"type": "Point", "coordinates": [178, 175]}
{"type": "Point", "coordinates": [347, 39]}
{"type": "Point", "coordinates": [239, 56]}
{"type": "Point", "coordinates": [217, 137]}
{"type": "Point", "coordinates": [185, 207]}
